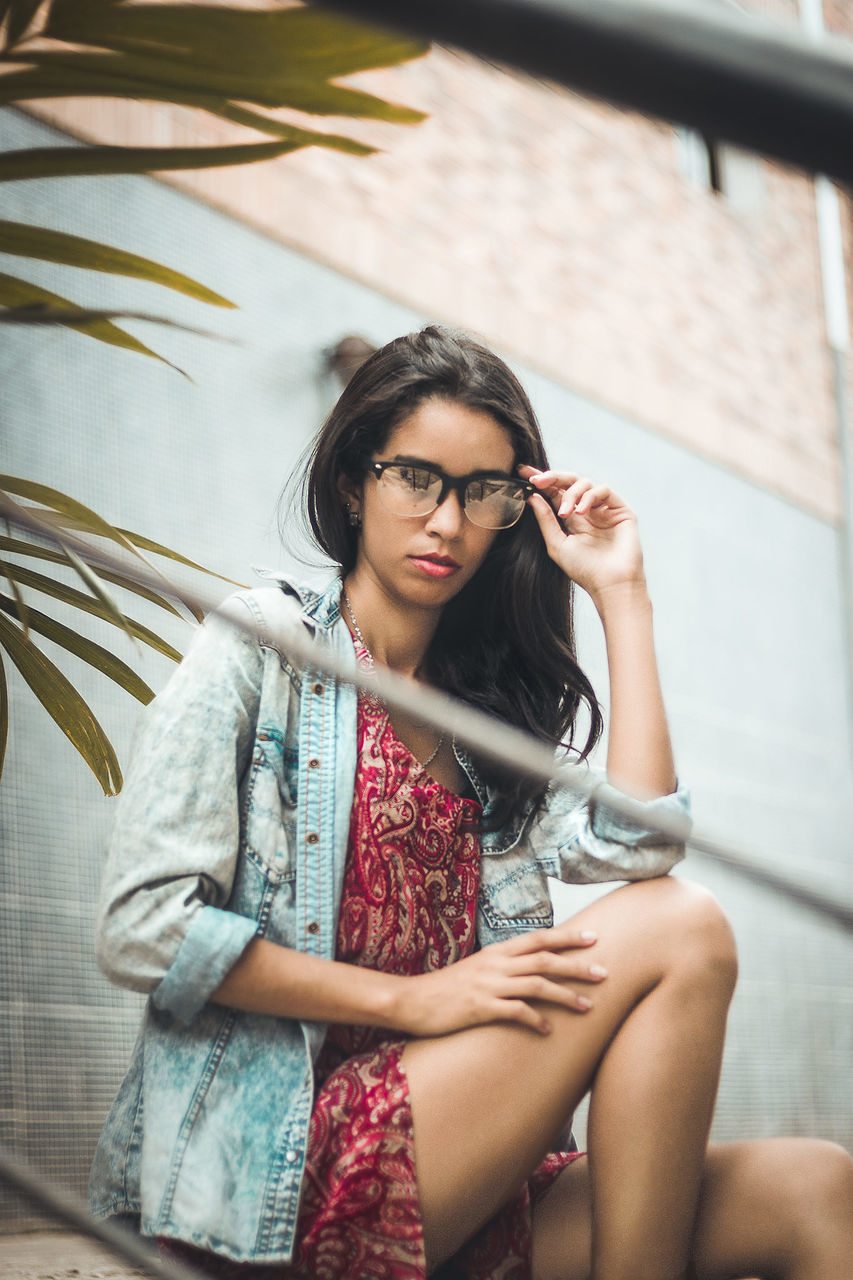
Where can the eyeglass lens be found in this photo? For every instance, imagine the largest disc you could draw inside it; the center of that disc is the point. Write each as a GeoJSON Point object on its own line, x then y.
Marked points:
{"type": "Point", "coordinates": [492, 503]}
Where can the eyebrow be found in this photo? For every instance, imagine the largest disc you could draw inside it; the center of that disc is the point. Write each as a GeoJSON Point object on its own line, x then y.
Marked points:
{"type": "Point", "coordinates": [408, 460]}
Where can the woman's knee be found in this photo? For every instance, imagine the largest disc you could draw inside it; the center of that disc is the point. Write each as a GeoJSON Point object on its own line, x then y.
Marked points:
{"type": "Point", "coordinates": [822, 1194]}
{"type": "Point", "coordinates": [689, 921]}
{"type": "Point", "coordinates": [808, 1189]}
{"type": "Point", "coordinates": [786, 1201]}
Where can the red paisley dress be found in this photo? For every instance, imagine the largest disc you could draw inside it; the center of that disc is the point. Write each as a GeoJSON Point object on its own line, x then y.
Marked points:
{"type": "Point", "coordinates": [408, 906]}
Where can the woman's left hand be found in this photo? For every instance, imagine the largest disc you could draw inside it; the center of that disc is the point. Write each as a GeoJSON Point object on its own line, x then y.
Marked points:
{"type": "Point", "coordinates": [589, 531]}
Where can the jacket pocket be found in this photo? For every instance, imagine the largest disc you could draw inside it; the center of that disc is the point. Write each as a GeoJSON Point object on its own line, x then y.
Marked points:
{"type": "Point", "coordinates": [515, 898]}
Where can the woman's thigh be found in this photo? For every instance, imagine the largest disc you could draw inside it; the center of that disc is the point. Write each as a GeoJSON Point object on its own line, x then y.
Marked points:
{"type": "Point", "coordinates": [488, 1102]}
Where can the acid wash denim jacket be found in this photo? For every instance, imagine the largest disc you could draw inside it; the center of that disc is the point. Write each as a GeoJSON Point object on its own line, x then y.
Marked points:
{"type": "Point", "coordinates": [233, 824]}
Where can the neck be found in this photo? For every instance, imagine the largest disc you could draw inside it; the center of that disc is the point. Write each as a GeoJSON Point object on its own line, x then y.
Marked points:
{"type": "Point", "coordinates": [396, 634]}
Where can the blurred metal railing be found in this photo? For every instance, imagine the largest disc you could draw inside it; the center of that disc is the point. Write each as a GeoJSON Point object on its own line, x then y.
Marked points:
{"type": "Point", "coordinates": [62, 1206]}
{"type": "Point", "coordinates": [731, 75]}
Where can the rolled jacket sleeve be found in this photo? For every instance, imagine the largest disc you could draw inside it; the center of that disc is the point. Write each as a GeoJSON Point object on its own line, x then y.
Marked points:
{"type": "Point", "coordinates": [585, 842]}
{"type": "Point", "coordinates": [214, 942]}
{"type": "Point", "coordinates": [173, 854]}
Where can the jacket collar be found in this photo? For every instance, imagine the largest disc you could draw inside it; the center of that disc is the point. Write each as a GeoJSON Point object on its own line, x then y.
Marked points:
{"type": "Point", "coordinates": [321, 607]}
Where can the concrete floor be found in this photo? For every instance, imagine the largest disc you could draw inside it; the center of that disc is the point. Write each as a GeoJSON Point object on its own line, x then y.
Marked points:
{"type": "Point", "coordinates": [58, 1255]}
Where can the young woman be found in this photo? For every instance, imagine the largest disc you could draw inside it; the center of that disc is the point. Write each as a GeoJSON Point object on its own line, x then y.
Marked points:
{"type": "Point", "coordinates": [364, 1035]}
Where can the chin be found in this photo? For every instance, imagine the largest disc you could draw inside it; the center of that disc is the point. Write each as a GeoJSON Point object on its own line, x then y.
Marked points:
{"type": "Point", "coordinates": [431, 593]}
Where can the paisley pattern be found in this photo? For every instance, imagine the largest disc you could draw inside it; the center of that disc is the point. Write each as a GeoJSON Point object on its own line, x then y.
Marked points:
{"type": "Point", "coordinates": [408, 906]}
{"type": "Point", "coordinates": [410, 891]}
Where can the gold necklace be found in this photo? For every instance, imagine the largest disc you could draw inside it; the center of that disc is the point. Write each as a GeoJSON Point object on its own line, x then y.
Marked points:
{"type": "Point", "coordinates": [357, 629]}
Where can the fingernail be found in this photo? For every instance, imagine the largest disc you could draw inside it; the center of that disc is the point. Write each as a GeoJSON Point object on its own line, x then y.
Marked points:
{"type": "Point", "coordinates": [583, 1003]}
{"type": "Point", "coordinates": [588, 935]}
{"type": "Point", "coordinates": [598, 971]}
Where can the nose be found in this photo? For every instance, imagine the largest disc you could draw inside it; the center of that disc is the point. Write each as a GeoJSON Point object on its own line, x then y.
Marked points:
{"type": "Point", "coordinates": [449, 518]}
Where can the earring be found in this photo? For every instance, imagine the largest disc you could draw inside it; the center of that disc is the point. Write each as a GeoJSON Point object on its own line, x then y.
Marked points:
{"type": "Point", "coordinates": [354, 517]}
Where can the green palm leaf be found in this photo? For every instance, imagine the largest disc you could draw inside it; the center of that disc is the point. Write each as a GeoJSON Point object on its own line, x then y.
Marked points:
{"type": "Point", "coordinates": [20, 293]}
{"type": "Point", "coordinates": [56, 80]}
{"type": "Point", "coordinates": [304, 41]}
{"type": "Point", "coordinates": [269, 47]}
{"type": "Point", "coordinates": [76, 162]}
{"type": "Point", "coordinates": [316, 96]}
{"type": "Point", "coordinates": [61, 82]}
{"type": "Point", "coordinates": [70, 595]}
{"type": "Point", "coordinates": [64, 705]}
{"type": "Point", "coordinates": [157, 548]}
{"type": "Point", "coordinates": [38, 315]}
{"type": "Point", "coordinates": [83, 570]}
{"type": "Point", "coordinates": [68, 518]}
{"type": "Point", "coordinates": [20, 603]}
{"type": "Point", "coordinates": [69, 521]}
{"type": "Point", "coordinates": [98, 590]}
{"type": "Point", "coordinates": [19, 548]}
{"type": "Point", "coordinates": [64, 505]}
{"type": "Point", "coordinates": [95, 654]}
{"type": "Point", "coordinates": [278, 128]}
{"type": "Point", "coordinates": [75, 251]}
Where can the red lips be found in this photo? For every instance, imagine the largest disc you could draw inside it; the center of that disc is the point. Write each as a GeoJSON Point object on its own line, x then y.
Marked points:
{"type": "Point", "coordinates": [446, 560]}
{"type": "Point", "coordinates": [434, 566]}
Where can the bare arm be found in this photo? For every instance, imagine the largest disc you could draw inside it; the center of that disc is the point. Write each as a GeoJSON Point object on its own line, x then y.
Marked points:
{"type": "Point", "coordinates": [277, 980]}
{"type": "Point", "coordinates": [492, 985]}
{"type": "Point", "coordinates": [592, 534]}
{"type": "Point", "coordinates": [639, 751]}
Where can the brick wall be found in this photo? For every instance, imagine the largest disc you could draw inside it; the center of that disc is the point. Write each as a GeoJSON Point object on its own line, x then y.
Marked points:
{"type": "Point", "coordinates": [565, 232]}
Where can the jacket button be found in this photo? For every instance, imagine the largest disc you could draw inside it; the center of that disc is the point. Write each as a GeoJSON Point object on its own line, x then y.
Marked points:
{"type": "Point", "coordinates": [291, 1156]}
{"type": "Point", "coordinates": [318, 688]}
{"type": "Point", "coordinates": [313, 763]}
{"type": "Point", "coordinates": [313, 927]}
{"type": "Point", "coordinates": [312, 837]}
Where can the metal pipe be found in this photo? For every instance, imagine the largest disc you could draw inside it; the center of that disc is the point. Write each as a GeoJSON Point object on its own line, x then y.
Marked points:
{"type": "Point", "coordinates": [734, 77]}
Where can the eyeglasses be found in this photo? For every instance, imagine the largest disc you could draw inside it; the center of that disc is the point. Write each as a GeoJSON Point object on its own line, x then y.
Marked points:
{"type": "Point", "coordinates": [490, 499]}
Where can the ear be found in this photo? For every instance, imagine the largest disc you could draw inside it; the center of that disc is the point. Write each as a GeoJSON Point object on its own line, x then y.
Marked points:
{"type": "Point", "coordinates": [351, 493]}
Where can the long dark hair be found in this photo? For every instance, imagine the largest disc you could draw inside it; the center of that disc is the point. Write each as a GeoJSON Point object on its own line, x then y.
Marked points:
{"type": "Point", "coordinates": [505, 643]}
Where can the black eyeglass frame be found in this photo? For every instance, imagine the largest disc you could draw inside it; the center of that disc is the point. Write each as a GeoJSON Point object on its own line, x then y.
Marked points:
{"type": "Point", "coordinates": [454, 484]}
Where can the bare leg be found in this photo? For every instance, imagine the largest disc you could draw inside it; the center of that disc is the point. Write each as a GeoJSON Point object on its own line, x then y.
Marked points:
{"type": "Point", "coordinates": [778, 1209]}
{"type": "Point", "coordinates": [487, 1101]}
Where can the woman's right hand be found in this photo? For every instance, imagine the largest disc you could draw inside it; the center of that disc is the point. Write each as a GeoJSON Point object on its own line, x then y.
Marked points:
{"type": "Point", "coordinates": [498, 984]}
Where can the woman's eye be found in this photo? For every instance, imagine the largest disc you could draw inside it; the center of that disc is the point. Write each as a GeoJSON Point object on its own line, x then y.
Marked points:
{"type": "Point", "coordinates": [482, 490]}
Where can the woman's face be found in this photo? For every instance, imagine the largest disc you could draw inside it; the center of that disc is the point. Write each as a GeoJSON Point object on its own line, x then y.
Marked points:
{"type": "Point", "coordinates": [426, 560]}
